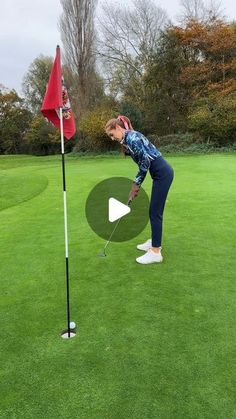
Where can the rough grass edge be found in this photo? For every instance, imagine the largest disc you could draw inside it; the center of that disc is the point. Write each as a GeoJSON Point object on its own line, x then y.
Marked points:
{"type": "Point", "coordinates": [167, 150]}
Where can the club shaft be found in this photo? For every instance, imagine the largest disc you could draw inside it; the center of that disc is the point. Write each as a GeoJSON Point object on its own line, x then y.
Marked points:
{"type": "Point", "coordinates": [108, 241]}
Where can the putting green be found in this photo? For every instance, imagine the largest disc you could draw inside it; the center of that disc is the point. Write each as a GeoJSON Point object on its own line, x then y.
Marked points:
{"type": "Point", "coordinates": [20, 188]}
{"type": "Point", "coordinates": [153, 341]}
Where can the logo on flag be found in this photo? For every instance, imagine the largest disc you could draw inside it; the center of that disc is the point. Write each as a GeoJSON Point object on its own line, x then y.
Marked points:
{"type": "Point", "coordinates": [66, 107]}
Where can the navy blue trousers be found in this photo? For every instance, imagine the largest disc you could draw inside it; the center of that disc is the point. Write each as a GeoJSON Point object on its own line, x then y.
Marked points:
{"type": "Point", "coordinates": [162, 175]}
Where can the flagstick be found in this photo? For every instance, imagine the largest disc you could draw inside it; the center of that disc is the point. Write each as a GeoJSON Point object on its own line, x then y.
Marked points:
{"type": "Point", "coordinates": [65, 223]}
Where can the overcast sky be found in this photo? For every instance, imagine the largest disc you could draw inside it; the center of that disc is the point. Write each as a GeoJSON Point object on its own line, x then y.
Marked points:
{"type": "Point", "coordinates": [30, 28]}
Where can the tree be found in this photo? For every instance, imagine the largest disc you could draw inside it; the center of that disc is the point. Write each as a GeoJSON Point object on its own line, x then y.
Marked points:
{"type": "Point", "coordinates": [167, 99]}
{"type": "Point", "coordinates": [128, 39]}
{"type": "Point", "coordinates": [78, 37]}
{"type": "Point", "coordinates": [35, 82]}
{"type": "Point", "coordinates": [41, 138]}
{"type": "Point", "coordinates": [133, 113]}
{"type": "Point", "coordinates": [209, 76]}
{"type": "Point", "coordinates": [211, 55]}
{"type": "Point", "coordinates": [200, 10]}
{"type": "Point", "coordinates": [14, 121]}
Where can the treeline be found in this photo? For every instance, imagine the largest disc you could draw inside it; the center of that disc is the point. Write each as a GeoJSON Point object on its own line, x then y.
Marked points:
{"type": "Point", "coordinates": [175, 82]}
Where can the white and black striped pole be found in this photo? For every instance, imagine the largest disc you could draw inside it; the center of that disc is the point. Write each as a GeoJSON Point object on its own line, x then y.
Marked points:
{"type": "Point", "coordinates": [68, 332]}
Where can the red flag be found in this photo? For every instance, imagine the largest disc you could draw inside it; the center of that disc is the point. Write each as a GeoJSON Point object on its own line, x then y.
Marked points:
{"type": "Point", "coordinates": [56, 97]}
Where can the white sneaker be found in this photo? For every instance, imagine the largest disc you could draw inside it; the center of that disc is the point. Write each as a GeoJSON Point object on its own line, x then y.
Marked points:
{"type": "Point", "coordinates": [150, 257]}
{"type": "Point", "coordinates": [145, 246]}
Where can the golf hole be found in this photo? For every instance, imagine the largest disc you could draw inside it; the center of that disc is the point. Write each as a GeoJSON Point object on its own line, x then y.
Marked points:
{"type": "Point", "coordinates": [65, 334]}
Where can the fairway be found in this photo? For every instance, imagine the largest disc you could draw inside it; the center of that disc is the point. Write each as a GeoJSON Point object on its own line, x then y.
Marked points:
{"type": "Point", "coordinates": [154, 341]}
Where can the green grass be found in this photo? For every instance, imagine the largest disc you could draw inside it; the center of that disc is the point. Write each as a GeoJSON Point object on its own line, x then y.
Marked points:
{"type": "Point", "coordinates": [153, 341]}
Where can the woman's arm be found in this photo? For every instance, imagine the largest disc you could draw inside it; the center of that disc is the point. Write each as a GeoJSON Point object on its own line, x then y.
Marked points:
{"type": "Point", "coordinates": [136, 145]}
{"type": "Point", "coordinates": [144, 165]}
{"type": "Point", "coordinates": [143, 160]}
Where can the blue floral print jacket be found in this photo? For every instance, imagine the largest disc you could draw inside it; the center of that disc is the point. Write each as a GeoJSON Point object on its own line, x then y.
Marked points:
{"type": "Point", "coordinates": [142, 152]}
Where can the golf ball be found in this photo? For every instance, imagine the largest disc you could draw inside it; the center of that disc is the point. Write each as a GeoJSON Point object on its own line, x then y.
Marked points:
{"type": "Point", "coordinates": [72, 325]}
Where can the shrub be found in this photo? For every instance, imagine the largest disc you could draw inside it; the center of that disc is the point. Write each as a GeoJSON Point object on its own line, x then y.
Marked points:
{"type": "Point", "coordinates": [91, 128]}
{"type": "Point", "coordinates": [41, 138]}
{"type": "Point", "coordinates": [188, 143]}
{"type": "Point", "coordinates": [175, 141]}
{"type": "Point", "coordinates": [215, 120]}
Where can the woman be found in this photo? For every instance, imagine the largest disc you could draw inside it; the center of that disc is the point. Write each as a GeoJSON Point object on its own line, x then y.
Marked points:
{"type": "Point", "coordinates": [147, 157]}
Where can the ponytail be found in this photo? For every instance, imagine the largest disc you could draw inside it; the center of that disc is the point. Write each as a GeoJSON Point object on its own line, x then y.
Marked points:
{"type": "Point", "coordinates": [121, 120]}
{"type": "Point", "coordinates": [126, 122]}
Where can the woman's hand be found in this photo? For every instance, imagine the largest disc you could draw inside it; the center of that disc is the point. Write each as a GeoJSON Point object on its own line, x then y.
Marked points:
{"type": "Point", "coordinates": [134, 191]}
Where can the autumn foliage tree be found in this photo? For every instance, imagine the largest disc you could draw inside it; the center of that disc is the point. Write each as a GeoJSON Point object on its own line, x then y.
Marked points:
{"type": "Point", "coordinates": [209, 74]}
{"type": "Point", "coordinates": [210, 50]}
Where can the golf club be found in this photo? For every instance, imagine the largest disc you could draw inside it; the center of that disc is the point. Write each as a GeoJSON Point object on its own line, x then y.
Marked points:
{"type": "Point", "coordinates": [103, 254]}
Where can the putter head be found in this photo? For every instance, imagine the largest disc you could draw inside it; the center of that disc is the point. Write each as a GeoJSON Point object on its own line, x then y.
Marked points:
{"type": "Point", "coordinates": [102, 255]}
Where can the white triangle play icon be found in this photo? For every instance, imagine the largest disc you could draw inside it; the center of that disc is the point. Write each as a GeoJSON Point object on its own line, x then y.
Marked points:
{"type": "Point", "coordinates": [117, 210]}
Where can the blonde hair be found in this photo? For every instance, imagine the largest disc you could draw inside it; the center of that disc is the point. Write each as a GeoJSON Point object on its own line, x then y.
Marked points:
{"type": "Point", "coordinates": [121, 120]}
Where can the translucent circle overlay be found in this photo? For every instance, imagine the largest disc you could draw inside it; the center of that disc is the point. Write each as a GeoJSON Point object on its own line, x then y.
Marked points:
{"type": "Point", "coordinates": [97, 210]}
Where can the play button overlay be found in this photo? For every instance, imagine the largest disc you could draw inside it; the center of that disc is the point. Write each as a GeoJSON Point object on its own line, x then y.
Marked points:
{"type": "Point", "coordinates": [106, 205]}
{"type": "Point", "coordinates": [117, 210]}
